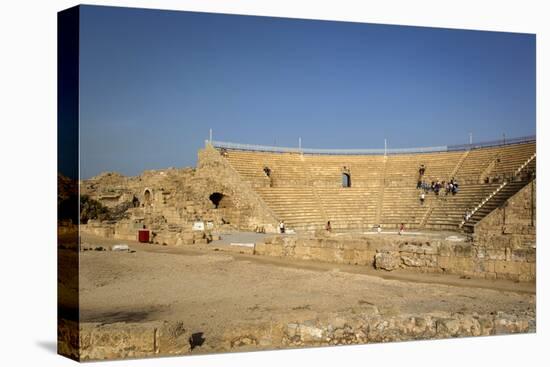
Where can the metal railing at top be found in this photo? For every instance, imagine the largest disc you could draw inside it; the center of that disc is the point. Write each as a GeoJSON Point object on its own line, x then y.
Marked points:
{"type": "Point", "coordinates": [492, 143]}
{"type": "Point", "coordinates": [376, 151]}
{"type": "Point", "coordinates": [253, 147]}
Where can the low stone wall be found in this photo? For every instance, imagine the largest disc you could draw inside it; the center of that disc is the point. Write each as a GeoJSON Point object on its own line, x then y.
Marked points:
{"type": "Point", "coordinates": [121, 340]}
{"type": "Point", "coordinates": [97, 228]}
{"type": "Point", "coordinates": [418, 253]}
{"type": "Point", "coordinates": [134, 340]}
{"type": "Point", "coordinates": [127, 231]}
{"type": "Point", "coordinates": [120, 230]}
{"type": "Point", "coordinates": [371, 327]}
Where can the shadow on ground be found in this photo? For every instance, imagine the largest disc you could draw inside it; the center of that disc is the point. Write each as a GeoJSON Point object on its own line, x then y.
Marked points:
{"type": "Point", "coordinates": [111, 317]}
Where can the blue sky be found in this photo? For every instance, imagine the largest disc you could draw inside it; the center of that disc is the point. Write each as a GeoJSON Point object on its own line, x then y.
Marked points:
{"type": "Point", "coordinates": [154, 82]}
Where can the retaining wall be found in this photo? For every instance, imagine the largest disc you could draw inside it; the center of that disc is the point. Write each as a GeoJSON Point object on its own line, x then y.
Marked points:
{"type": "Point", "coordinates": [417, 253]}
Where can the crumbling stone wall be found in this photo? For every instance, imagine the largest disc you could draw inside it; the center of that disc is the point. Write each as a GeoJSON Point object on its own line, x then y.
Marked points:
{"type": "Point", "coordinates": [221, 177]}
{"type": "Point", "coordinates": [505, 240]}
{"type": "Point", "coordinates": [134, 340]}
{"type": "Point", "coordinates": [373, 327]}
{"type": "Point", "coordinates": [423, 254]}
{"type": "Point", "coordinates": [169, 201]}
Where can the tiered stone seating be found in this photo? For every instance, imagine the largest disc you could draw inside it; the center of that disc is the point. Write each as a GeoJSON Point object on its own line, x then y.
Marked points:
{"type": "Point", "coordinates": [511, 157]}
{"type": "Point", "coordinates": [286, 169]}
{"type": "Point", "coordinates": [401, 201]}
{"type": "Point", "coordinates": [326, 170]}
{"type": "Point", "coordinates": [297, 206]}
{"type": "Point", "coordinates": [500, 197]}
{"type": "Point", "coordinates": [306, 190]}
{"type": "Point", "coordinates": [405, 167]}
{"type": "Point", "coordinates": [348, 208]}
{"type": "Point", "coordinates": [494, 161]}
{"type": "Point", "coordinates": [475, 164]}
{"type": "Point", "coordinates": [449, 210]}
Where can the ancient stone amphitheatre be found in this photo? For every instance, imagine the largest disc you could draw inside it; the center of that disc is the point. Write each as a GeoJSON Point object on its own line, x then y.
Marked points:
{"type": "Point", "coordinates": [212, 273]}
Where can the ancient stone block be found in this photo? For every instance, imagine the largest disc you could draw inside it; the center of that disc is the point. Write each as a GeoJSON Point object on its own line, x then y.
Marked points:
{"type": "Point", "coordinates": [173, 338]}
{"type": "Point", "coordinates": [387, 260]}
{"type": "Point", "coordinates": [443, 262]}
{"type": "Point", "coordinates": [201, 241]}
{"type": "Point", "coordinates": [463, 250]}
{"type": "Point", "coordinates": [447, 327]}
{"type": "Point", "coordinates": [310, 333]}
{"type": "Point", "coordinates": [523, 254]}
{"type": "Point", "coordinates": [413, 249]}
{"type": "Point", "coordinates": [503, 267]}
{"type": "Point", "coordinates": [118, 340]}
{"type": "Point", "coordinates": [302, 252]}
{"type": "Point", "coordinates": [496, 254]}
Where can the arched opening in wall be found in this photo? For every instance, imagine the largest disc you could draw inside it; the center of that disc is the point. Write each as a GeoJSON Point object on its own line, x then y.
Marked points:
{"type": "Point", "coordinates": [217, 199]}
{"type": "Point", "coordinates": [147, 197]}
{"type": "Point", "coordinates": [346, 180]}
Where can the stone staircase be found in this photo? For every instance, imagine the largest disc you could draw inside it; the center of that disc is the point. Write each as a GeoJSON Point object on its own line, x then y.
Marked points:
{"type": "Point", "coordinates": [433, 204]}
{"type": "Point", "coordinates": [526, 164]}
{"type": "Point", "coordinates": [500, 195]}
{"type": "Point", "coordinates": [449, 212]}
{"type": "Point", "coordinates": [310, 182]}
{"type": "Point", "coordinates": [380, 203]}
{"type": "Point", "coordinates": [491, 202]}
{"type": "Point", "coordinates": [459, 164]}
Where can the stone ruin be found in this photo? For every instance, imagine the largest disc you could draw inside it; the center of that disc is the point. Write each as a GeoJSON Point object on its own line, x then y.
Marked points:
{"type": "Point", "coordinates": [171, 201]}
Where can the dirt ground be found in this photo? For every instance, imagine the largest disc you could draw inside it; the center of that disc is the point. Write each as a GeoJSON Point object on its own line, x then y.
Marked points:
{"type": "Point", "coordinates": [211, 291]}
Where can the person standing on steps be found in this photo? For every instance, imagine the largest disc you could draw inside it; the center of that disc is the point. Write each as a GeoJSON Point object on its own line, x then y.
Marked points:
{"type": "Point", "coordinates": [282, 226]}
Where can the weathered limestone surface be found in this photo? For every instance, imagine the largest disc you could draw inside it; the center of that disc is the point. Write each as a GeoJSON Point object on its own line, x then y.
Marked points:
{"type": "Point", "coordinates": [219, 176]}
{"type": "Point", "coordinates": [305, 190]}
{"type": "Point", "coordinates": [372, 327]}
{"type": "Point", "coordinates": [169, 201]}
{"type": "Point", "coordinates": [387, 260]}
{"type": "Point", "coordinates": [505, 240]}
{"type": "Point", "coordinates": [503, 246]}
{"type": "Point", "coordinates": [393, 252]}
{"type": "Point", "coordinates": [124, 340]}
{"type": "Point", "coordinates": [131, 340]}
